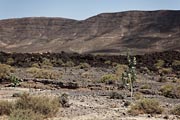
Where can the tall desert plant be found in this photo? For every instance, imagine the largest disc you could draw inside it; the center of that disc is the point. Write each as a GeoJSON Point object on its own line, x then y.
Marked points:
{"type": "Point", "coordinates": [129, 76]}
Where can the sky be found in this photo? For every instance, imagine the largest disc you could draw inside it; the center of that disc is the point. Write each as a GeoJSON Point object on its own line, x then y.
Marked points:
{"type": "Point", "coordinates": [78, 9]}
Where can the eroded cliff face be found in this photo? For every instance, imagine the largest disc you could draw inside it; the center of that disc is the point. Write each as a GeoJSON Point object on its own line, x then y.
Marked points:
{"type": "Point", "coordinates": [112, 33]}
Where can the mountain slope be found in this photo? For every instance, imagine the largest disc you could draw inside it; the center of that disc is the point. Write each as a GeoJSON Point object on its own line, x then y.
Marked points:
{"type": "Point", "coordinates": [141, 31]}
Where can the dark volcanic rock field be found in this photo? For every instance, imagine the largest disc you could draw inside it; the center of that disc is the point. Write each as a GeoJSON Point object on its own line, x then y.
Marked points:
{"type": "Point", "coordinates": [147, 60]}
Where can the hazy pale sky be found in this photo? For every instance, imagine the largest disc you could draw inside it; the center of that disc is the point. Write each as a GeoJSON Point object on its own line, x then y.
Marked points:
{"type": "Point", "coordinates": [78, 9]}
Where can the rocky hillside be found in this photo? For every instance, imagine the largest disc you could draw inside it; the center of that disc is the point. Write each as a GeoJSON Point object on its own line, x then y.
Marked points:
{"type": "Point", "coordinates": [112, 33]}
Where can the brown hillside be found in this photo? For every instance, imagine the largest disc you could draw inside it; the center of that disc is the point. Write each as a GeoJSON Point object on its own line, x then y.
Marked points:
{"type": "Point", "coordinates": [142, 31]}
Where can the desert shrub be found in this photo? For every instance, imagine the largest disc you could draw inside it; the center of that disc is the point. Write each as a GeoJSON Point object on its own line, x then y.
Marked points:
{"type": "Point", "coordinates": [116, 95]}
{"type": "Point", "coordinates": [108, 79]}
{"type": "Point", "coordinates": [85, 74]}
{"type": "Point", "coordinates": [5, 71]}
{"type": "Point", "coordinates": [177, 91]}
{"type": "Point", "coordinates": [108, 62]}
{"type": "Point", "coordinates": [60, 62]}
{"type": "Point", "coordinates": [23, 102]}
{"type": "Point", "coordinates": [144, 70]}
{"type": "Point", "coordinates": [146, 106]}
{"type": "Point", "coordinates": [46, 63]}
{"type": "Point", "coordinates": [159, 64]}
{"type": "Point", "coordinates": [176, 110]}
{"type": "Point", "coordinates": [170, 91]}
{"type": "Point", "coordinates": [165, 70]}
{"type": "Point", "coordinates": [44, 73]}
{"type": "Point", "coordinates": [27, 114]}
{"type": "Point", "coordinates": [138, 95]}
{"type": "Point", "coordinates": [176, 62]}
{"type": "Point", "coordinates": [146, 86]}
{"type": "Point", "coordinates": [162, 79]}
{"type": "Point", "coordinates": [32, 70]}
{"type": "Point", "coordinates": [167, 90]}
{"type": "Point", "coordinates": [57, 61]}
{"type": "Point", "coordinates": [5, 107]}
{"type": "Point", "coordinates": [127, 103]}
{"type": "Point", "coordinates": [175, 80]}
{"type": "Point", "coordinates": [10, 61]}
{"type": "Point", "coordinates": [35, 65]}
{"type": "Point", "coordinates": [83, 65]}
{"type": "Point", "coordinates": [114, 64]}
{"type": "Point", "coordinates": [64, 100]}
{"type": "Point", "coordinates": [16, 94]}
{"type": "Point", "coordinates": [69, 64]}
{"type": "Point", "coordinates": [15, 81]}
{"type": "Point", "coordinates": [39, 104]}
{"type": "Point", "coordinates": [119, 69]}
{"type": "Point", "coordinates": [30, 108]}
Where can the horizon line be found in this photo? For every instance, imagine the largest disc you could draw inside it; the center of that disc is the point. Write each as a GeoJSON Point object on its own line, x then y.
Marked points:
{"type": "Point", "coordinates": [10, 18]}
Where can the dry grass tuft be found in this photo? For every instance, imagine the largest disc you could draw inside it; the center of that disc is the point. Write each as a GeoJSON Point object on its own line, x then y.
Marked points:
{"type": "Point", "coordinates": [44, 73]}
{"type": "Point", "coordinates": [170, 91]}
{"type": "Point", "coordinates": [30, 107]}
{"type": "Point", "coordinates": [5, 107]}
{"type": "Point", "coordinates": [176, 110]}
{"type": "Point", "coordinates": [108, 79]}
{"type": "Point", "coordinates": [28, 114]}
{"type": "Point", "coordinates": [39, 104]}
{"type": "Point", "coordinates": [5, 71]}
{"type": "Point", "coordinates": [146, 106]}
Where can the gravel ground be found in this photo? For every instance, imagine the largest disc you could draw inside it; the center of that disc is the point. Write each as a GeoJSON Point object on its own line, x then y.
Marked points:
{"type": "Point", "coordinates": [93, 103]}
{"type": "Point", "coordinates": [85, 105]}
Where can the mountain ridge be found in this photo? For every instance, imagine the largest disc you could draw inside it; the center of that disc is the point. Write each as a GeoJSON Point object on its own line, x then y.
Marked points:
{"type": "Point", "coordinates": [105, 33]}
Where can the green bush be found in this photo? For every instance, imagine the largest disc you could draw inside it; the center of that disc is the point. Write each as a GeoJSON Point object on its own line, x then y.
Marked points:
{"type": "Point", "coordinates": [14, 81]}
{"type": "Point", "coordinates": [176, 110]}
{"type": "Point", "coordinates": [27, 114]}
{"type": "Point", "coordinates": [5, 107]}
{"type": "Point", "coordinates": [146, 106]}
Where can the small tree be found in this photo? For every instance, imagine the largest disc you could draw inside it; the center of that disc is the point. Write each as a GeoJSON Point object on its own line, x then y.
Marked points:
{"type": "Point", "coordinates": [129, 76]}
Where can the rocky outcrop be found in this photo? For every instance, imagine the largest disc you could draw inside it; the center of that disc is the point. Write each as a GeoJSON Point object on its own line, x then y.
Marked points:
{"type": "Point", "coordinates": [113, 33]}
